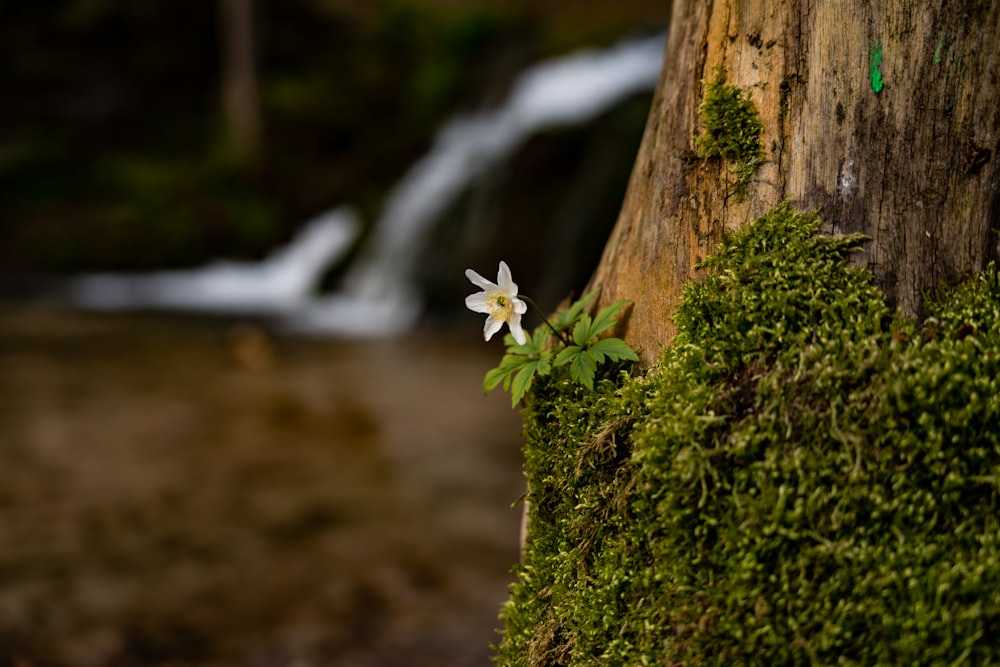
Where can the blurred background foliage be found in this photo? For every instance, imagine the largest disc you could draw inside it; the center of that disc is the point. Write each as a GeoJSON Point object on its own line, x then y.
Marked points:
{"type": "Point", "coordinates": [114, 152]}
{"type": "Point", "coordinates": [185, 494]}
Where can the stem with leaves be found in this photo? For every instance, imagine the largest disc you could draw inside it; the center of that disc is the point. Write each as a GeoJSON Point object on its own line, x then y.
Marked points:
{"type": "Point", "coordinates": [579, 347]}
{"type": "Point", "coordinates": [561, 334]}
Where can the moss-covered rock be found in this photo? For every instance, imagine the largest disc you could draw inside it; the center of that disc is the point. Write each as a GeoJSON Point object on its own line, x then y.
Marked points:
{"type": "Point", "coordinates": [804, 478]}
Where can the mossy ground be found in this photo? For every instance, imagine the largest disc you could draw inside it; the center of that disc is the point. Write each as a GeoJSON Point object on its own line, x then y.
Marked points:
{"type": "Point", "coordinates": [804, 478]}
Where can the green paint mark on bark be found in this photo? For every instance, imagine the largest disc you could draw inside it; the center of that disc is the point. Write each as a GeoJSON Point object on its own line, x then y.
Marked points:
{"type": "Point", "coordinates": [937, 52]}
{"type": "Point", "coordinates": [874, 62]}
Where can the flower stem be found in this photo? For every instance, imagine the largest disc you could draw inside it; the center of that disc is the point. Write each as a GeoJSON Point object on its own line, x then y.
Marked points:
{"type": "Point", "coordinates": [561, 335]}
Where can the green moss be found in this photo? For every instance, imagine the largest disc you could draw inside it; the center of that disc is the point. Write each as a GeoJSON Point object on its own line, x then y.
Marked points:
{"type": "Point", "coordinates": [804, 477]}
{"type": "Point", "coordinates": [732, 128]}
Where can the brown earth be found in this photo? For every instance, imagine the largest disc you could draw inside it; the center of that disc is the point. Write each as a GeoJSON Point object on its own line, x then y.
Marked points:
{"type": "Point", "coordinates": [180, 492]}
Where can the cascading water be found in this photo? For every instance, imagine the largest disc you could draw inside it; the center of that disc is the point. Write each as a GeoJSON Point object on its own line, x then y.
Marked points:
{"type": "Point", "coordinates": [279, 285]}
{"type": "Point", "coordinates": [377, 297]}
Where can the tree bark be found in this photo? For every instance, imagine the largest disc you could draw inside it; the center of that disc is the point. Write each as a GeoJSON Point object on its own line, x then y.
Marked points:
{"type": "Point", "coordinates": [885, 116]}
{"type": "Point", "coordinates": [240, 99]}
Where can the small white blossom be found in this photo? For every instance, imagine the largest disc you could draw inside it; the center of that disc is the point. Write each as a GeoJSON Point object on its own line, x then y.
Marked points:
{"type": "Point", "coordinates": [499, 302]}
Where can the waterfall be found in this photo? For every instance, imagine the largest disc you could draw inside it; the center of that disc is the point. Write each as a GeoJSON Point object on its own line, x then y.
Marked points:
{"type": "Point", "coordinates": [377, 297]}
{"type": "Point", "coordinates": [279, 285]}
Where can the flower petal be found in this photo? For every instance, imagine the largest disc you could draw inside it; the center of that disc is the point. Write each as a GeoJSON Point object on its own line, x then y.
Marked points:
{"type": "Point", "coordinates": [515, 329]}
{"type": "Point", "coordinates": [479, 281]}
{"type": "Point", "coordinates": [492, 326]}
{"type": "Point", "coordinates": [478, 302]}
{"type": "Point", "coordinates": [504, 280]}
{"type": "Point", "coordinates": [520, 307]}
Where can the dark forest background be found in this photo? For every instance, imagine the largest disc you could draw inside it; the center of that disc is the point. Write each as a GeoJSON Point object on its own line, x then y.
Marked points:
{"type": "Point", "coordinates": [195, 491]}
{"type": "Point", "coordinates": [116, 152]}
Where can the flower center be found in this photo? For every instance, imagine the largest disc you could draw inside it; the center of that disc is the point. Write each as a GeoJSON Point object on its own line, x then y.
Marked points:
{"type": "Point", "coordinates": [500, 306]}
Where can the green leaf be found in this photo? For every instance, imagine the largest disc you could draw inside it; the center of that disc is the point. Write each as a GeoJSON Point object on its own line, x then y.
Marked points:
{"type": "Point", "coordinates": [532, 346]}
{"type": "Point", "coordinates": [522, 383]}
{"type": "Point", "coordinates": [493, 377]}
{"type": "Point", "coordinates": [517, 372]}
{"type": "Point", "coordinates": [502, 373]}
{"type": "Point", "coordinates": [605, 318]}
{"type": "Point", "coordinates": [581, 332]}
{"type": "Point", "coordinates": [613, 348]}
{"type": "Point", "coordinates": [541, 338]}
{"type": "Point", "coordinates": [582, 368]}
{"type": "Point", "coordinates": [526, 376]}
{"type": "Point", "coordinates": [544, 363]}
{"type": "Point", "coordinates": [582, 364]}
{"type": "Point", "coordinates": [567, 354]}
{"type": "Point", "coordinates": [567, 317]}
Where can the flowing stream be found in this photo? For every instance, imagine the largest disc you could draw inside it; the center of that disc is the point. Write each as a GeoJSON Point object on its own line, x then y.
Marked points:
{"type": "Point", "coordinates": [377, 296]}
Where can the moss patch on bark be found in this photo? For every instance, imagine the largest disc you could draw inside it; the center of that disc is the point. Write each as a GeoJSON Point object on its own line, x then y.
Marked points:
{"type": "Point", "coordinates": [804, 477]}
{"type": "Point", "coordinates": [732, 128]}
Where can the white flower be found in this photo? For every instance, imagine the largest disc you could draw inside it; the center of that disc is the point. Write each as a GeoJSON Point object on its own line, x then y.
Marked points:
{"type": "Point", "coordinates": [499, 302]}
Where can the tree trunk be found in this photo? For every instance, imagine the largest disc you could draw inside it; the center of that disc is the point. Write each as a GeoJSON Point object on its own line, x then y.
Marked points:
{"type": "Point", "coordinates": [886, 116]}
{"type": "Point", "coordinates": [240, 100]}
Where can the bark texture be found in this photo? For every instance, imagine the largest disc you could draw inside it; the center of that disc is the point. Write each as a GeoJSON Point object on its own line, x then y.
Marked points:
{"type": "Point", "coordinates": [240, 99]}
{"type": "Point", "coordinates": [886, 116]}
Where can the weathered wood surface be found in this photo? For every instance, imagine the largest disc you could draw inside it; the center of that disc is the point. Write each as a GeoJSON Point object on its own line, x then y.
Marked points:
{"type": "Point", "coordinates": [884, 115]}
